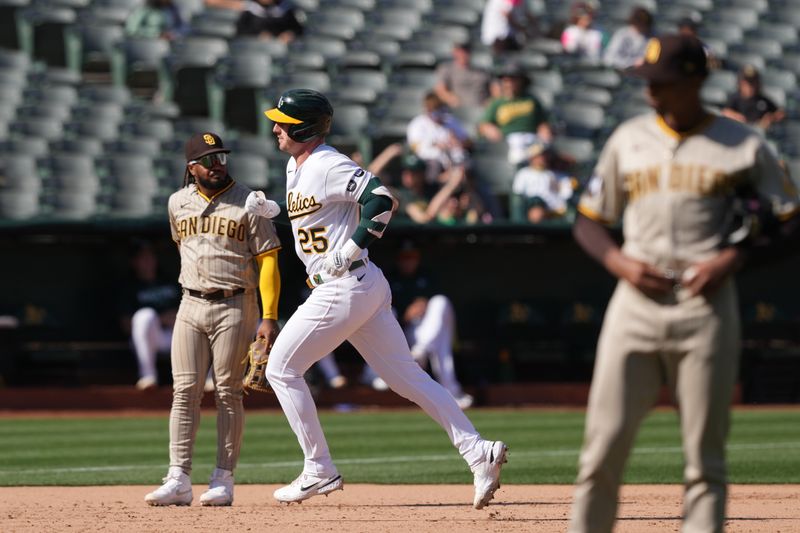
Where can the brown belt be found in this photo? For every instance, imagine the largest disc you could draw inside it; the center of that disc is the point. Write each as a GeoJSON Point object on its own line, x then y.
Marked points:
{"type": "Point", "coordinates": [220, 294]}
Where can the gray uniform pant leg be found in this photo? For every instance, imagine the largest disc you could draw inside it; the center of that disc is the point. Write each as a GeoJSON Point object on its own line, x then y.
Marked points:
{"type": "Point", "coordinates": [706, 375]}
{"type": "Point", "coordinates": [625, 385]}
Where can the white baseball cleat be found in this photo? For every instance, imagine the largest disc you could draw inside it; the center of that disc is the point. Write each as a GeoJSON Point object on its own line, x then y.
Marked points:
{"type": "Point", "coordinates": [306, 486]}
{"type": "Point", "coordinates": [146, 383]}
{"type": "Point", "coordinates": [220, 489]}
{"type": "Point", "coordinates": [487, 474]}
{"type": "Point", "coordinates": [176, 490]}
{"type": "Point", "coordinates": [465, 401]}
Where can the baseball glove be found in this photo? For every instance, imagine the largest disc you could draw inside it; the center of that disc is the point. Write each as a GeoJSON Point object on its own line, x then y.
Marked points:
{"type": "Point", "coordinates": [255, 377]}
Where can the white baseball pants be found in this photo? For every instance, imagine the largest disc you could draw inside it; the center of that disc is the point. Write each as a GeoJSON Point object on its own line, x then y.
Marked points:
{"type": "Point", "coordinates": [357, 310]}
{"type": "Point", "coordinates": [148, 337]}
{"type": "Point", "coordinates": [431, 337]}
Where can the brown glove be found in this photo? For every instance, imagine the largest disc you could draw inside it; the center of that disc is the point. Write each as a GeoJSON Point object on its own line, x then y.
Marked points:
{"type": "Point", "coordinates": [255, 377]}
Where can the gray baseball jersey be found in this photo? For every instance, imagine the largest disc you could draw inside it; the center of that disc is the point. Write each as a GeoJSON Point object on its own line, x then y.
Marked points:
{"type": "Point", "coordinates": [674, 194]}
{"type": "Point", "coordinates": [219, 242]}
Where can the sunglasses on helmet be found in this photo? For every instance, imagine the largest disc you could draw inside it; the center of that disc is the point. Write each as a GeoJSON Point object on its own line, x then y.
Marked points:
{"type": "Point", "coordinates": [209, 160]}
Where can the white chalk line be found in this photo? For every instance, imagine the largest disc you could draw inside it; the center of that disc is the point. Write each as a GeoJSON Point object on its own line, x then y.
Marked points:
{"type": "Point", "coordinates": [532, 454]}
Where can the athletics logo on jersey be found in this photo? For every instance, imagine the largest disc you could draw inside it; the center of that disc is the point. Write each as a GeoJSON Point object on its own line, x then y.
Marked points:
{"type": "Point", "coordinates": [359, 173]}
{"type": "Point", "coordinates": [351, 185]}
{"type": "Point", "coordinates": [298, 205]}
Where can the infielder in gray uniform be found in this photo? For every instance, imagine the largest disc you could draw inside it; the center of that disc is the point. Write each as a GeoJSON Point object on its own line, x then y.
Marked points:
{"type": "Point", "coordinates": [673, 177]}
{"type": "Point", "coordinates": [227, 256]}
{"type": "Point", "coordinates": [336, 210]}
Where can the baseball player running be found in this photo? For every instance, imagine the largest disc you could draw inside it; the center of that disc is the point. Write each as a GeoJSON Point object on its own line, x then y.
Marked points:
{"type": "Point", "coordinates": [336, 210]}
{"type": "Point", "coordinates": [673, 177]}
{"type": "Point", "coordinates": [226, 255]}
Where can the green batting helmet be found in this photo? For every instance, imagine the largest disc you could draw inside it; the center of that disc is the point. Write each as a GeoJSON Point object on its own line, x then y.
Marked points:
{"type": "Point", "coordinates": [307, 112]}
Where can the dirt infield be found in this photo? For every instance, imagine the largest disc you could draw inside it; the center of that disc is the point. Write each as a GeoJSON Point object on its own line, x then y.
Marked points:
{"type": "Point", "coordinates": [379, 508]}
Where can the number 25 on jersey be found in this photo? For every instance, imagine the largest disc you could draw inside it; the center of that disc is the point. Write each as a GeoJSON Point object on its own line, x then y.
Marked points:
{"type": "Point", "coordinates": [313, 240]}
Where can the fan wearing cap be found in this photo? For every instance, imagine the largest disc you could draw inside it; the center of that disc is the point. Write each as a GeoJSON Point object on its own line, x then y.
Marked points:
{"type": "Point", "coordinates": [750, 104]}
{"type": "Point", "coordinates": [672, 178]}
{"type": "Point", "coordinates": [336, 210]}
{"type": "Point", "coordinates": [515, 115]}
{"type": "Point", "coordinates": [539, 192]}
{"type": "Point", "coordinates": [228, 257]}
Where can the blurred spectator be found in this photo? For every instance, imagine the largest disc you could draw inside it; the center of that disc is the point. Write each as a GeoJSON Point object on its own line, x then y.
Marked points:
{"type": "Point", "coordinates": [689, 26]}
{"type": "Point", "coordinates": [156, 19]}
{"type": "Point", "coordinates": [269, 19]}
{"type": "Point", "coordinates": [540, 192]}
{"type": "Point", "coordinates": [506, 24]}
{"type": "Point", "coordinates": [515, 116]}
{"type": "Point", "coordinates": [462, 202]}
{"type": "Point", "coordinates": [750, 104]}
{"type": "Point", "coordinates": [581, 38]}
{"type": "Point", "coordinates": [627, 45]}
{"type": "Point", "coordinates": [458, 84]}
{"type": "Point", "coordinates": [428, 319]}
{"type": "Point", "coordinates": [147, 308]}
{"type": "Point", "coordinates": [438, 138]}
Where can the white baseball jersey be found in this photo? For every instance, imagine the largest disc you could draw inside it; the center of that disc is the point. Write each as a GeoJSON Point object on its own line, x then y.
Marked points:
{"type": "Point", "coordinates": [322, 203]}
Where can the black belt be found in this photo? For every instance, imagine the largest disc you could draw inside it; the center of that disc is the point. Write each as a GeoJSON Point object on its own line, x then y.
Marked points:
{"type": "Point", "coordinates": [356, 264]}
{"type": "Point", "coordinates": [220, 294]}
{"type": "Point", "coordinates": [353, 266]}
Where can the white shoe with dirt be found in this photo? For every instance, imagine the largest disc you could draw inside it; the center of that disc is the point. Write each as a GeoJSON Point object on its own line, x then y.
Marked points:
{"type": "Point", "coordinates": [306, 486]}
{"type": "Point", "coordinates": [487, 474]}
{"type": "Point", "coordinates": [220, 489]}
{"type": "Point", "coordinates": [176, 490]}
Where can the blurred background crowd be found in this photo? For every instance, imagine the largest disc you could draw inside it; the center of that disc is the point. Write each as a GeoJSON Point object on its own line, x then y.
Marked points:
{"type": "Point", "coordinates": [473, 110]}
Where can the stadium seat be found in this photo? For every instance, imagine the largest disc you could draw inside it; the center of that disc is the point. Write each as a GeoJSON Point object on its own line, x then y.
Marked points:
{"type": "Point", "coordinates": [19, 173]}
{"type": "Point", "coordinates": [18, 205]}
{"type": "Point", "coordinates": [236, 91]}
{"type": "Point", "coordinates": [581, 120]}
{"type": "Point", "coordinates": [249, 169]}
{"type": "Point", "coordinates": [94, 45]}
{"type": "Point", "coordinates": [22, 146]}
{"type": "Point", "coordinates": [363, 5]}
{"type": "Point", "coordinates": [745, 18]}
{"type": "Point", "coordinates": [495, 171]}
{"type": "Point", "coordinates": [72, 205]}
{"type": "Point", "coordinates": [214, 23]}
{"type": "Point", "coordinates": [273, 48]}
{"type": "Point", "coordinates": [38, 127]}
{"type": "Point", "coordinates": [420, 58]}
{"type": "Point", "coordinates": [581, 150]}
{"type": "Point", "coordinates": [42, 29]}
{"type": "Point", "coordinates": [148, 128]}
{"type": "Point", "coordinates": [139, 146]}
{"type": "Point", "coordinates": [139, 63]}
{"type": "Point", "coordinates": [90, 127]}
{"type": "Point", "coordinates": [191, 64]}
{"type": "Point", "coordinates": [349, 128]}
{"type": "Point", "coordinates": [329, 47]}
{"type": "Point", "coordinates": [9, 35]}
{"type": "Point", "coordinates": [767, 48]}
{"type": "Point", "coordinates": [85, 145]}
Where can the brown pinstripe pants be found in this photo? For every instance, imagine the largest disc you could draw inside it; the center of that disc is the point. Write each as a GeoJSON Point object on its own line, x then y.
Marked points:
{"type": "Point", "coordinates": [217, 333]}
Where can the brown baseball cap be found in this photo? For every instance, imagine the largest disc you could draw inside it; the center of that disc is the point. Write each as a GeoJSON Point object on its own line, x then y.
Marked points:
{"type": "Point", "coordinates": [671, 58]}
{"type": "Point", "coordinates": [201, 144]}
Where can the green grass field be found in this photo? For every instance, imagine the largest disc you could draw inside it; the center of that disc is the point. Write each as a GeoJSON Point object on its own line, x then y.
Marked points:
{"type": "Point", "coordinates": [378, 447]}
